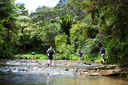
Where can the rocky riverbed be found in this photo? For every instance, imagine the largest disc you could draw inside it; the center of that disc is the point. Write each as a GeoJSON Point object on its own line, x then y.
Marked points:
{"type": "Point", "coordinates": [73, 67]}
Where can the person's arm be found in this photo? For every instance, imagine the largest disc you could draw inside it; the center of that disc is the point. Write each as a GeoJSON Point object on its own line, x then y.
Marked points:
{"type": "Point", "coordinates": [100, 53]}
{"type": "Point", "coordinates": [47, 53]}
{"type": "Point", "coordinates": [82, 52]}
{"type": "Point", "coordinates": [54, 52]}
{"type": "Point", "coordinates": [106, 52]}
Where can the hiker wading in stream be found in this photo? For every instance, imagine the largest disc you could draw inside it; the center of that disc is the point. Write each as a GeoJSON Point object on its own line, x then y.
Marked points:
{"type": "Point", "coordinates": [50, 53]}
{"type": "Point", "coordinates": [80, 53]}
{"type": "Point", "coordinates": [102, 53]}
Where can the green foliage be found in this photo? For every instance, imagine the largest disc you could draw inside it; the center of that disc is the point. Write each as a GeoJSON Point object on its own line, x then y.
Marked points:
{"type": "Point", "coordinates": [30, 56]}
{"type": "Point", "coordinates": [65, 22]}
{"type": "Point", "coordinates": [61, 46]}
{"type": "Point", "coordinates": [8, 30]}
{"type": "Point", "coordinates": [111, 18]}
{"type": "Point", "coordinates": [77, 37]}
{"type": "Point", "coordinates": [33, 53]}
{"type": "Point", "coordinates": [76, 24]}
{"type": "Point", "coordinates": [60, 39]}
{"type": "Point", "coordinates": [80, 34]}
{"type": "Point", "coordinates": [72, 57]}
{"type": "Point", "coordinates": [21, 9]}
{"type": "Point", "coordinates": [7, 50]}
{"type": "Point", "coordinates": [6, 8]}
{"type": "Point", "coordinates": [71, 7]}
{"type": "Point", "coordinates": [47, 35]}
{"type": "Point", "coordinates": [44, 14]}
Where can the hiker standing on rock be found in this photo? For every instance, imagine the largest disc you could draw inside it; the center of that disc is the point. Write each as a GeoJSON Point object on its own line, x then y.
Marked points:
{"type": "Point", "coordinates": [80, 53]}
{"type": "Point", "coordinates": [102, 53]}
{"type": "Point", "coordinates": [50, 52]}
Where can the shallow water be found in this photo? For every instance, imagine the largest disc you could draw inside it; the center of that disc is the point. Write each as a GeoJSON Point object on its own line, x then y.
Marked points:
{"type": "Point", "coordinates": [39, 79]}
{"type": "Point", "coordinates": [33, 72]}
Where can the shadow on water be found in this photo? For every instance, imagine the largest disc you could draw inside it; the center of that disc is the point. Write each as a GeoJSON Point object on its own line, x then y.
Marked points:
{"type": "Point", "coordinates": [33, 72]}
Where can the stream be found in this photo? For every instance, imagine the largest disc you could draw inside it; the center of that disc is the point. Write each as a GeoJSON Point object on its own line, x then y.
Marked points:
{"type": "Point", "coordinates": [62, 72]}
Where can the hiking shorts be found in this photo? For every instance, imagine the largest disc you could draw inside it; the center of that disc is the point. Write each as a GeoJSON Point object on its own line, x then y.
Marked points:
{"type": "Point", "coordinates": [80, 55]}
{"type": "Point", "coordinates": [50, 57]}
{"type": "Point", "coordinates": [102, 55]}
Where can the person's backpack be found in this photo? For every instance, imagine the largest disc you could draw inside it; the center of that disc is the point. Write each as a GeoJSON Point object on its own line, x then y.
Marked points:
{"type": "Point", "coordinates": [50, 51]}
{"type": "Point", "coordinates": [80, 52]}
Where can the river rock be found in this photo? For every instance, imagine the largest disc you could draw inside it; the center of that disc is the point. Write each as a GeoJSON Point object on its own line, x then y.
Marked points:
{"type": "Point", "coordinates": [97, 72]}
{"type": "Point", "coordinates": [46, 74]}
{"type": "Point", "coordinates": [66, 69]}
{"type": "Point", "coordinates": [111, 66]}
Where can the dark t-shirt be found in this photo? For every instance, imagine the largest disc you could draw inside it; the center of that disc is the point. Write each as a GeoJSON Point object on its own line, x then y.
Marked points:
{"type": "Point", "coordinates": [80, 53]}
{"type": "Point", "coordinates": [102, 51]}
{"type": "Point", "coordinates": [50, 53]}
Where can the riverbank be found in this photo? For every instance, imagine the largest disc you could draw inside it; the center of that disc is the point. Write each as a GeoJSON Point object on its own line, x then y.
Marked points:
{"type": "Point", "coordinates": [106, 70]}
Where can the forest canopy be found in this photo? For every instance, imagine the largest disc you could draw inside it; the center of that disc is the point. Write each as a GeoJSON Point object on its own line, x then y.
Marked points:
{"type": "Point", "coordinates": [69, 26]}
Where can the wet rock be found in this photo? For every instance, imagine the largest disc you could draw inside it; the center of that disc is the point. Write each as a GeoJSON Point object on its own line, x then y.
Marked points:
{"type": "Point", "coordinates": [81, 73]}
{"type": "Point", "coordinates": [107, 67]}
{"type": "Point", "coordinates": [83, 70]}
{"type": "Point", "coordinates": [63, 67]}
{"type": "Point", "coordinates": [76, 70]}
{"type": "Point", "coordinates": [98, 72]}
{"type": "Point", "coordinates": [9, 71]}
{"type": "Point", "coordinates": [46, 74]}
{"type": "Point", "coordinates": [111, 66]}
{"type": "Point", "coordinates": [38, 62]}
{"type": "Point", "coordinates": [87, 63]}
{"type": "Point", "coordinates": [101, 67]}
{"type": "Point", "coordinates": [66, 69]}
{"type": "Point", "coordinates": [22, 69]}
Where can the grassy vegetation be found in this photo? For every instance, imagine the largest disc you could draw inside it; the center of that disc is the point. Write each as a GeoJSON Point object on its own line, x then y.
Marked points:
{"type": "Point", "coordinates": [43, 56]}
{"type": "Point", "coordinates": [31, 56]}
{"type": "Point", "coordinates": [57, 56]}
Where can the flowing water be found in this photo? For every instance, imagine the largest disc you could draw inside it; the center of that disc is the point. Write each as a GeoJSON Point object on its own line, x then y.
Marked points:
{"type": "Point", "coordinates": [36, 72]}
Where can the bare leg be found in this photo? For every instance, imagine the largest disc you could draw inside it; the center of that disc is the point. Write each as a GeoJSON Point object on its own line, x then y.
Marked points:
{"type": "Point", "coordinates": [80, 57]}
{"type": "Point", "coordinates": [102, 57]}
{"type": "Point", "coordinates": [103, 60]}
{"type": "Point", "coordinates": [50, 62]}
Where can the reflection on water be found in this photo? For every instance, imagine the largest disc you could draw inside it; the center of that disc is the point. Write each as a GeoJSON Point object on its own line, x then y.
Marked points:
{"type": "Point", "coordinates": [79, 80]}
{"type": "Point", "coordinates": [39, 79]}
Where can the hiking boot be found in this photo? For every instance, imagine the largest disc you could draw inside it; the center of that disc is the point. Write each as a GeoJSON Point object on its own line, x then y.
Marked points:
{"type": "Point", "coordinates": [48, 64]}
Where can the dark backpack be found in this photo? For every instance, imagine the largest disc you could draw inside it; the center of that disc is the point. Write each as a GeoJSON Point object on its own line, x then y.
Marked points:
{"type": "Point", "coordinates": [50, 51]}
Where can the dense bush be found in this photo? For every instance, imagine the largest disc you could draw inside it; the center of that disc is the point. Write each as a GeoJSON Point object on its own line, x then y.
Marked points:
{"type": "Point", "coordinates": [87, 25]}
